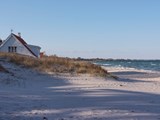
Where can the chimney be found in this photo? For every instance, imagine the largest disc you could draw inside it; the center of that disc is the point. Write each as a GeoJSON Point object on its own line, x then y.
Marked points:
{"type": "Point", "coordinates": [19, 34]}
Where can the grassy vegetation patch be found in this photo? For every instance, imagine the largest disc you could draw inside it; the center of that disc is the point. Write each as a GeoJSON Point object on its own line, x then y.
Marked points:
{"type": "Point", "coordinates": [56, 64]}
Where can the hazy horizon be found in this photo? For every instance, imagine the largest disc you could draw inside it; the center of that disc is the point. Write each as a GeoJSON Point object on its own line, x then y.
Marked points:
{"type": "Point", "coordinates": [118, 29]}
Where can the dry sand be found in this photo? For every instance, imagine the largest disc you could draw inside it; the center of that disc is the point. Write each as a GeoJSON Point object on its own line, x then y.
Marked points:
{"type": "Point", "coordinates": [28, 95]}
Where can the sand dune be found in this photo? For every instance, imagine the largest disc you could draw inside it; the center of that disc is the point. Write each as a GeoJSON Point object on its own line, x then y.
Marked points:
{"type": "Point", "coordinates": [29, 95]}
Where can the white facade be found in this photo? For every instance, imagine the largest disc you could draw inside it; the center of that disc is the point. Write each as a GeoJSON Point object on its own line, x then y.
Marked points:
{"type": "Point", "coordinates": [16, 44]}
{"type": "Point", "coordinates": [35, 49]}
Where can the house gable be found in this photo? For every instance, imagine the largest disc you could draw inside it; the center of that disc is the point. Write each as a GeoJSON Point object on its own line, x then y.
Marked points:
{"type": "Point", "coordinates": [25, 44]}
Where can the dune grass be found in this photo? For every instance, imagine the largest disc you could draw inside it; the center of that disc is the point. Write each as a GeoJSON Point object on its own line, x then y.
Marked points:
{"type": "Point", "coordinates": [56, 64]}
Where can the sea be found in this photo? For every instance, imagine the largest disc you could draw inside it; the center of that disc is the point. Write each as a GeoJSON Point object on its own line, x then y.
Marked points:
{"type": "Point", "coordinates": [153, 65]}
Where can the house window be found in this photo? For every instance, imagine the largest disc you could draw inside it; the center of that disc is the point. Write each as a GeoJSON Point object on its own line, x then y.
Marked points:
{"type": "Point", "coordinates": [12, 49]}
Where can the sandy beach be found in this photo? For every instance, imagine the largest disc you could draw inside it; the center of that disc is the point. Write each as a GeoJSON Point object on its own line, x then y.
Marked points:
{"type": "Point", "coordinates": [28, 95]}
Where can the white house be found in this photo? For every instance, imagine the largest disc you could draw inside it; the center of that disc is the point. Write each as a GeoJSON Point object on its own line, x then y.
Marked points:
{"type": "Point", "coordinates": [16, 44]}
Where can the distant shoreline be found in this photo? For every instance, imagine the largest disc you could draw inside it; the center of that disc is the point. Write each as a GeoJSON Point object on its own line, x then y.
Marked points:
{"type": "Point", "coordinates": [111, 59]}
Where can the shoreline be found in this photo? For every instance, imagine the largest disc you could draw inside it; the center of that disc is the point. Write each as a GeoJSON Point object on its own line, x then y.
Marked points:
{"type": "Point", "coordinates": [114, 69]}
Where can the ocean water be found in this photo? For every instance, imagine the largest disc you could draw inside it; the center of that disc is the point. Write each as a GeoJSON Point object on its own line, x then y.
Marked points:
{"type": "Point", "coordinates": [153, 65]}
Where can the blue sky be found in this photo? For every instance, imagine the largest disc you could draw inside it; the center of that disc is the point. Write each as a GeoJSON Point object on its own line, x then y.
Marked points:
{"type": "Point", "coordinates": [86, 28]}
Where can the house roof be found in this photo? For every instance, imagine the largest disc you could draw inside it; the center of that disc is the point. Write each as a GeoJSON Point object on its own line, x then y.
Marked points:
{"type": "Point", "coordinates": [21, 40]}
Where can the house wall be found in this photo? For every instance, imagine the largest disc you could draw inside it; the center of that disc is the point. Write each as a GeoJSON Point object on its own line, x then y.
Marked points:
{"type": "Point", "coordinates": [21, 49]}
{"type": "Point", "coordinates": [35, 49]}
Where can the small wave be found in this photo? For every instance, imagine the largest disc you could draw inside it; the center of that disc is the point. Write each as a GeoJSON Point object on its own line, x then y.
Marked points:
{"type": "Point", "coordinates": [107, 64]}
{"type": "Point", "coordinates": [153, 64]}
{"type": "Point", "coordinates": [119, 65]}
